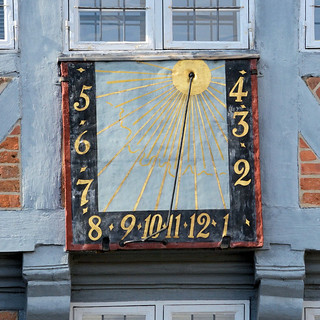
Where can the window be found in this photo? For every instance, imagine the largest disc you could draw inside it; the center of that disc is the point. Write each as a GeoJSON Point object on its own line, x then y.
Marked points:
{"type": "Point", "coordinates": [159, 24]}
{"type": "Point", "coordinates": [311, 310]}
{"type": "Point", "coordinates": [312, 23]}
{"type": "Point", "coordinates": [163, 310]}
{"type": "Point", "coordinates": [6, 24]}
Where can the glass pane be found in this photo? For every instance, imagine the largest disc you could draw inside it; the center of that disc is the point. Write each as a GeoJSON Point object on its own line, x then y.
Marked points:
{"type": "Point", "coordinates": [183, 3]}
{"type": "Point", "coordinates": [183, 26]}
{"type": "Point", "coordinates": [202, 316]}
{"type": "Point", "coordinates": [89, 3]}
{"type": "Point", "coordinates": [229, 3]}
{"type": "Point", "coordinates": [135, 26]}
{"type": "Point", "coordinates": [124, 317]}
{"type": "Point", "coordinates": [1, 20]}
{"type": "Point", "coordinates": [206, 26]}
{"type": "Point", "coordinates": [317, 2]}
{"type": "Point", "coordinates": [135, 3]}
{"type": "Point", "coordinates": [112, 26]}
{"type": "Point", "coordinates": [206, 3]}
{"type": "Point", "coordinates": [112, 3]}
{"type": "Point", "coordinates": [317, 23]}
{"type": "Point", "coordinates": [317, 318]}
{"type": "Point", "coordinates": [229, 25]}
{"type": "Point", "coordinates": [89, 25]}
{"type": "Point", "coordinates": [91, 317]}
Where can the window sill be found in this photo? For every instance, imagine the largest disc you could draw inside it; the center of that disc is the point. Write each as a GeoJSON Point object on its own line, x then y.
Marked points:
{"type": "Point", "coordinates": [159, 55]}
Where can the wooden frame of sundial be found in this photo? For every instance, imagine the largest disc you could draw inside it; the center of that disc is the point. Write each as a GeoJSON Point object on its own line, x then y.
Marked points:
{"type": "Point", "coordinates": [122, 128]}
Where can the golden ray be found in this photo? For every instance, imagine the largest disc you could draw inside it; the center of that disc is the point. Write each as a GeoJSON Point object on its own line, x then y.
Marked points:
{"type": "Point", "coordinates": [180, 168]}
{"type": "Point", "coordinates": [156, 157]}
{"type": "Point", "coordinates": [165, 106]}
{"type": "Point", "coordinates": [212, 159]}
{"type": "Point", "coordinates": [211, 129]}
{"type": "Point", "coordinates": [122, 182]}
{"type": "Point", "coordinates": [154, 65]}
{"type": "Point", "coordinates": [129, 149]}
{"type": "Point", "coordinates": [175, 118]}
{"type": "Point", "coordinates": [155, 142]}
{"type": "Point", "coordinates": [194, 157]}
{"type": "Point", "coordinates": [172, 92]}
{"type": "Point", "coordinates": [214, 96]}
{"type": "Point", "coordinates": [217, 67]}
{"type": "Point", "coordinates": [132, 72]}
{"type": "Point", "coordinates": [141, 128]}
{"type": "Point", "coordinates": [201, 144]}
{"type": "Point", "coordinates": [132, 80]}
{"type": "Point", "coordinates": [128, 173]}
{"type": "Point", "coordinates": [216, 90]}
{"type": "Point", "coordinates": [130, 113]}
{"type": "Point", "coordinates": [215, 108]}
{"type": "Point", "coordinates": [189, 133]}
{"type": "Point", "coordinates": [131, 89]}
{"type": "Point", "coordinates": [205, 172]}
{"type": "Point", "coordinates": [220, 83]}
{"type": "Point", "coordinates": [216, 120]}
{"type": "Point", "coordinates": [180, 104]}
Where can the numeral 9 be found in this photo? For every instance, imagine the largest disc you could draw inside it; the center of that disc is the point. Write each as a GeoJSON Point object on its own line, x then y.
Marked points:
{"type": "Point", "coordinates": [131, 225]}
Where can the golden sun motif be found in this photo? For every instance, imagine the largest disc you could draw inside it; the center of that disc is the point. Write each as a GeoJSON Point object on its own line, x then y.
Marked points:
{"type": "Point", "coordinates": [140, 117]}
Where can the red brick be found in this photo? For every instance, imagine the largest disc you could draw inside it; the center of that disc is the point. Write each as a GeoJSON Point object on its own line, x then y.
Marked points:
{"type": "Point", "coordinates": [307, 155]}
{"type": "Point", "coordinates": [8, 315]}
{"type": "Point", "coordinates": [9, 201]}
{"type": "Point", "coordinates": [16, 130]}
{"type": "Point", "coordinates": [9, 157]}
{"type": "Point", "coordinates": [318, 93]}
{"type": "Point", "coordinates": [9, 185]}
{"type": "Point", "coordinates": [310, 168]}
{"type": "Point", "coordinates": [303, 143]}
{"type": "Point", "coordinates": [11, 143]}
{"type": "Point", "coordinates": [9, 172]}
{"type": "Point", "coordinates": [310, 183]}
{"type": "Point", "coordinates": [311, 198]}
{"type": "Point", "coordinates": [312, 82]}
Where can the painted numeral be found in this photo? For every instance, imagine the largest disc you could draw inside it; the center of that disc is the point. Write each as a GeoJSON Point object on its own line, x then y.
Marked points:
{"type": "Point", "coordinates": [95, 229]}
{"type": "Point", "coordinates": [85, 97]}
{"type": "Point", "coordinates": [239, 93]}
{"type": "Point", "coordinates": [242, 123]}
{"type": "Point", "coordinates": [243, 171]}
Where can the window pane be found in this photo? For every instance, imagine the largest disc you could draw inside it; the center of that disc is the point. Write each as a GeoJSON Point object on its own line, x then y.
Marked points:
{"type": "Point", "coordinates": [229, 3]}
{"type": "Point", "coordinates": [135, 26]}
{"type": "Point", "coordinates": [206, 3]}
{"type": "Point", "coordinates": [89, 3]}
{"type": "Point", "coordinates": [89, 25]}
{"type": "Point", "coordinates": [317, 23]}
{"type": "Point", "coordinates": [202, 316]}
{"type": "Point", "coordinates": [206, 26]}
{"type": "Point", "coordinates": [317, 2]}
{"type": "Point", "coordinates": [1, 20]}
{"type": "Point", "coordinates": [183, 3]}
{"type": "Point", "coordinates": [183, 26]}
{"type": "Point", "coordinates": [228, 25]}
{"type": "Point", "coordinates": [135, 3]}
{"type": "Point", "coordinates": [124, 317]}
{"type": "Point", "coordinates": [112, 26]}
{"type": "Point", "coordinates": [91, 317]}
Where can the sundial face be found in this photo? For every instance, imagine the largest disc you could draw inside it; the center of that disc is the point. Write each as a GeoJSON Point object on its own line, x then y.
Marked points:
{"type": "Point", "coordinates": [140, 138]}
{"type": "Point", "coordinates": [140, 111]}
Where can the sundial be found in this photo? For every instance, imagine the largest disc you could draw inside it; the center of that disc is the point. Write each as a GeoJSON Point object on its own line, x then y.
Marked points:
{"type": "Point", "coordinates": [159, 158]}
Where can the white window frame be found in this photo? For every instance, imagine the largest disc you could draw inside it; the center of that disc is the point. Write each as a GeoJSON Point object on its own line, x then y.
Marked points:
{"type": "Point", "coordinates": [162, 310]}
{"type": "Point", "coordinates": [76, 44]}
{"type": "Point", "coordinates": [159, 38]}
{"type": "Point", "coordinates": [9, 25]}
{"type": "Point", "coordinates": [308, 37]}
{"type": "Point", "coordinates": [311, 309]}
{"type": "Point", "coordinates": [243, 43]}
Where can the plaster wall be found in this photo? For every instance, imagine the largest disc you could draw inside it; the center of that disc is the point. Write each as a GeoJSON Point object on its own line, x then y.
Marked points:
{"type": "Point", "coordinates": [286, 108]}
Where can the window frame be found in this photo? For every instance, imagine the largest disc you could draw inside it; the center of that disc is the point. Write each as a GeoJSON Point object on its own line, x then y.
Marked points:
{"type": "Point", "coordinates": [163, 309]}
{"type": "Point", "coordinates": [76, 44]}
{"type": "Point", "coordinates": [158, 38]}
{"type": "Point", "coordinates": [310, 310]}
{"type": "Point", "coordinates": [308, 10]}
{"type": "Point", "coordinates": [244, 25]}
{"type": "Point", "coordinates": [9, 25]}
